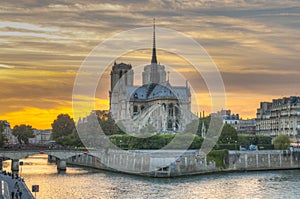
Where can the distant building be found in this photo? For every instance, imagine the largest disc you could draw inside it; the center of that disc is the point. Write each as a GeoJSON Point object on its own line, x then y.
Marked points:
{"type": "Point", "coordinates": [281, 116]}
{"type": "Point", "coordinates": [41, 136]}
{"type": "Point", "coordinates": [228, 118]}
{"type": "Point", "coordinates": [10, 139]}
{"type": "Point", "coordinates": [247, 126]}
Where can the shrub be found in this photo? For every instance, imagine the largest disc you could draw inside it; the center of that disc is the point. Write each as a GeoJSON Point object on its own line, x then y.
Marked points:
{"type": "Point", "coordinates": [282, 142]}
{"type": "Point", "coordinates": [220, 157]}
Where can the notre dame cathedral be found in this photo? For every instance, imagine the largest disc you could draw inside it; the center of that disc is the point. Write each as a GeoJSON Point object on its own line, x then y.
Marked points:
{"type": "Point", "coordinates": [156, 103]}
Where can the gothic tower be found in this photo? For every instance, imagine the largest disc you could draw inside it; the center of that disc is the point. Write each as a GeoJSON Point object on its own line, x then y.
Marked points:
{"type": "Point", "coordinates": [154, 73]}
{"type": "Point", "coordinates": [121, 76]}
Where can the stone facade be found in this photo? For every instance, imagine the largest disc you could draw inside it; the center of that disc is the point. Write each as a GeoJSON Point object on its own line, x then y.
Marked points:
{"type": "Point", "coordinates": [281, 116]}
{"type": "Point", "coordinates": [181, 163]}
{"type": "Point", "coordinates": [154, 105]}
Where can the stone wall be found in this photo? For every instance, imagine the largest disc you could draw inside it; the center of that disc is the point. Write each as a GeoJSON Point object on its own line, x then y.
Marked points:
{"type": "Point", "coordinates": [263, 160]}
{"type": "Point", "coordinates": [178, 163]}
{"type": "Point", "coordinates": [160, 164]}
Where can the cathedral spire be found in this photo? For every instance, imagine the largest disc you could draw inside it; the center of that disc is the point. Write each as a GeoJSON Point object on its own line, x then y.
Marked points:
{"type": "Point", "coordinates": [154, 60]}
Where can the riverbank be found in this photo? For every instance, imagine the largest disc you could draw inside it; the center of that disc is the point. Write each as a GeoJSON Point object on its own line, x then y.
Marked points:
{"type": "Point", "coordinates": [92, 183]}
{"type": "Point", "coordinates": [170, 164]}
{"type": "Point", "coordinates": [15, 185]}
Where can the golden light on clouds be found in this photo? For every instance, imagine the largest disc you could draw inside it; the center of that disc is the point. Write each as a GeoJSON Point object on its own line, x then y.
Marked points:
{"type": "Point", "coordinates": [254, 44]}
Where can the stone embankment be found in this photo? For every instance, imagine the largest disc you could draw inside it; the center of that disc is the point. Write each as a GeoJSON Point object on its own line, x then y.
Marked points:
{"type": "Point", "coordinates": [172, 163]}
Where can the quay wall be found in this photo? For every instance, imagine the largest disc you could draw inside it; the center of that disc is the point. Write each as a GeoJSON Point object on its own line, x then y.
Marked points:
{"type": "Point", "coordinates": [192, 162]}
{"type": "Point", "coordinates": [263, 160]}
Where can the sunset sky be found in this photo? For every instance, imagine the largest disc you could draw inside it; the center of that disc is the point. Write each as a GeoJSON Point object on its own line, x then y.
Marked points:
{"type": "Point", "coordinates": [255, 45]}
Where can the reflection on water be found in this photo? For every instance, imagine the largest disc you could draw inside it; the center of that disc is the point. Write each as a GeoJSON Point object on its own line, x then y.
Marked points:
{"type": "Point", "coordinates": [88, 183]}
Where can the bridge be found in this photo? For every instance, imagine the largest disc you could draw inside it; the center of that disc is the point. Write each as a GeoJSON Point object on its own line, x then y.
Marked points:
{"type": "Point", "coordinates": [60, 156]}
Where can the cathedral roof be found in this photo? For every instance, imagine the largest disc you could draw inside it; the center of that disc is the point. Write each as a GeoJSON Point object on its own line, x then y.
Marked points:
{"type": "Point", "coordinates": [152, 91]}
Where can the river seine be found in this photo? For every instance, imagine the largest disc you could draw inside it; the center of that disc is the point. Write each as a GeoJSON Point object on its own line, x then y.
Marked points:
{"type": "Point", "coordinates": [92, 184]}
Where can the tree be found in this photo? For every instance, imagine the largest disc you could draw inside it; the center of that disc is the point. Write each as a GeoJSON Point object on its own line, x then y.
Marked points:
{"type": "Point", "coordinates": [282, 142]}
{"type": "Point", "coordinates": [23, 133]}
{"type": "Point", "coordinates": [64, 131]}
{"type": "Point", "coordinates": [228, 135]}
{"type": "Point", "coordinates": [2, 137]}
{"type": "Point", "coordinates": [63, 126]}
{"type": "Point", "coordinates": [109, 126]}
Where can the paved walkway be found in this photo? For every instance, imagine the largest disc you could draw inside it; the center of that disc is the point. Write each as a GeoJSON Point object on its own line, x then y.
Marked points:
{"type": "Point", "coordinates": [8, 185]}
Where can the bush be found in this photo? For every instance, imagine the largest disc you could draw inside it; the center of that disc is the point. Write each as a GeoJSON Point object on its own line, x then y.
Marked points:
{"type": "Point", "coordinates": [261, 139]}
{"type": "Point", "coordinates": [246, 140]}
{"type": "Point", "coordinates": [227, 146]}
{"type": "Point", "coordinates": [128, 142]}
{"type": "Point", "coordinates": [265, 146]}
{"type": "Point", "coordinates": [282, 142]}
{"type": "Point", "coordinates": [220, 157]}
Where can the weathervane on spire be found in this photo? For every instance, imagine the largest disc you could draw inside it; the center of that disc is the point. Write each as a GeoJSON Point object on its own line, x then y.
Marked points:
{"type": "Point", "coordinates": [154, 60]}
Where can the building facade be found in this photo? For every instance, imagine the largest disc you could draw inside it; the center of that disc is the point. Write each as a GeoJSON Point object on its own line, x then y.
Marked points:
{"type": "Point", "coordinates": [9, 137]}
{"type": "Point", "coordinates": [247, 126]}
{"type": "Point", "coordinates": [281, 116]}
{"type": "Point", "coordinates": [155, 103]}
{"type": "Point", "coordinates": [228, 117]}
{"type": "Point", "coordinates": [40, 136]}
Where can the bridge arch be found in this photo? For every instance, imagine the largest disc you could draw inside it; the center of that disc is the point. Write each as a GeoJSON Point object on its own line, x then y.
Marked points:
{"type": "Point", "coordinates": [61, 157]}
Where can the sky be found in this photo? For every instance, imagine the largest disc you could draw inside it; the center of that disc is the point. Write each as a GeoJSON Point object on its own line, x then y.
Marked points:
{"type": "Point", "coordinates": [254, 43]}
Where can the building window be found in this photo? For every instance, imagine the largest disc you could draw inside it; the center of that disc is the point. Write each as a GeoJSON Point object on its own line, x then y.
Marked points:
{"type": "Point", "coordinates": [170, 125]}
{"type": "Point", "coordinates": [135, 109]}
{"type": "Point", "coordinates": [176, 111]}
{"type": "Point", "coordinates": [171, 106]}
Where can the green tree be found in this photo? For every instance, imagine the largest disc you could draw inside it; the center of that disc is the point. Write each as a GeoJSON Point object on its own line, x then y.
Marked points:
{"type": "Point", "coordinates": [109, 126]}
{"type": "Point", "coordinates": [2, 137]}
{"type": "Point", "coordinates": [23, 133]}
{"type": "Point", "coordinates": [64, 131]}
{"type": "Point", "coordinates": [282, 142]}
{"type": "Point", "coordinates": [63, 126]}
{"type": "Point", "coordinates": [228, 135]}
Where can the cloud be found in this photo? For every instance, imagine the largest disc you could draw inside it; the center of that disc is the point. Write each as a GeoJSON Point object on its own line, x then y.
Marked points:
{"type": "Point", "coordinates": [6, 66]}
{"type": "Point", "coordinates": [255, 45]}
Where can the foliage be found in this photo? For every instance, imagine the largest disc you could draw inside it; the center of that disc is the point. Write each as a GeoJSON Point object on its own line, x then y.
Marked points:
{"type": "Point", "coordinates": [265, 147]}
{"type": "Point", "coordinates": [157, 141]}
{"type": "Point", "coordinates": [109, 126]}
{"type": "Point", "coordinates": [220, 157]}
{"type": "Point", "coordinates": [227, 146]}
{"type": "Point", "coordinates": [70, 140]}
{"type": "Point", "coordinates": [282, 142]}
{"type": "Point", "coordinates": [262, 139]}
{"type": "Point", "coordinates": [229, 135]}
{"type": "Point", "coordinates": [2, 137]}
{"type": "Point", "coordinates": [23, 133]}
{"type": "Point", "coordinates": [64, 131]}
{"type": "Point", "coordinates": [62, 126]}
{"type": "Point", "coordinates": [246, 140]}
